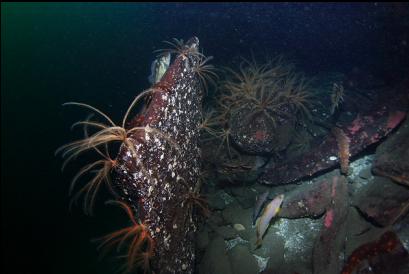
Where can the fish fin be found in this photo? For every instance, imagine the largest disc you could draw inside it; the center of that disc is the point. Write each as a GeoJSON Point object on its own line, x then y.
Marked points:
{"type": "Point", "coordinates": [258, 243]}
{"type": "Point", "coordinates": [259, 238]}
{"type": "Point", "coordinates": [150, 79]}
{"type": "Point", "coordinates": [254, 219]}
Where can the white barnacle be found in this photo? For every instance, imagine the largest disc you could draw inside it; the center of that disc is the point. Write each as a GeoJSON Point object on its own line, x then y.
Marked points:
{"type": "Point", "coordinates": [166, 242]}
{"type": "Point", "coordinates": [150, 189]}
{"type": "Point", "coordinates": [175, 226]}
{"type": "Point", "coordinates": [162, 156]}
{"type": "Point", "coordinates": [333, 158]}
{"type": "Point", "coordinates": [173, 174]}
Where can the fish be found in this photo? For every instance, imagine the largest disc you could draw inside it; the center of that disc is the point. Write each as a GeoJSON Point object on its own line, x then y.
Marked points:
{"type": "Point", "coordinates": [337, 96]}
{"type": "Point", "coordinates": [270, 211]}
{"type": "Point", "coordinates": [158, 68]}
{"type": "Point", "coordinates": [260, 201]}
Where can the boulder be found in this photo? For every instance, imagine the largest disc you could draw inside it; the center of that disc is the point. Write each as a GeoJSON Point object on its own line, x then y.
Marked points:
{"type": "Point", "coordinates": [215, 259]}
{"type": "Point", "coordinates": [382, 201]}
{"type": "Point", "coordinates": [242, 261]}
{"type": "Point", "coordinates": [392, 156]}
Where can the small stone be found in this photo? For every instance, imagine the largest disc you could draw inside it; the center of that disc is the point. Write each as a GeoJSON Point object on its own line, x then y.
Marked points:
{"type": "Point", "coordinates": [216, 201]}
{"type": "Point", "coordinates": [226, 232]}
{"type": "Point", "coordinates": [235, 214]}
{"type": "Point", "coordinates": [215, 259]}
{"type": "Point", "coordinates": [239, 191]}
{"type": "Point", "coordinates": [216, 219]}
{"type": "Point", "coordinates": [246, 202]}
{"type": "Point", "coordinates": [365, 173]}
{"type": "Point", "coordinates": [239, 227]}
{"type": "Point", "coordinates": [241, 260]}
{"type": "Point", "coordinates": [231, 212]}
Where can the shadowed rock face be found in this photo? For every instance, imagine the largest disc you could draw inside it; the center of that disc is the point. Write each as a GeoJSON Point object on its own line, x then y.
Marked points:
{"type": "Point", "coordinates": [371, 122]}
{"type": "Point", "coordinates": [166, 170]}
{"type": "Point", "coordinates": [392, 156]}
{"type": "Point", "coordinates": [382, 201]}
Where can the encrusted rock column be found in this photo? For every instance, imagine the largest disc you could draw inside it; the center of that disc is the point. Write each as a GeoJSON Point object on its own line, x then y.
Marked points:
{"type": "Point", "coordinates": [157, 182]}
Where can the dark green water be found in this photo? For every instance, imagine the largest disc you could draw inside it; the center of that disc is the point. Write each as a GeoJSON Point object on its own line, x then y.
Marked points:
{"type": "Point", "coordinates": [101, 54]}
{"type": "Point", "coordinates": [53, 53]}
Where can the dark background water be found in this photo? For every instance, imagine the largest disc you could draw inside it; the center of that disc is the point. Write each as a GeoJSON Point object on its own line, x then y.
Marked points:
{"type": "Point", "coordinates": [100, 54]}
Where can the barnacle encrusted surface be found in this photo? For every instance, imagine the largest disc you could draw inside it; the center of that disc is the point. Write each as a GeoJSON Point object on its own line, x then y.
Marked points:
{"type": "Point", "coordinates": [166, 168]}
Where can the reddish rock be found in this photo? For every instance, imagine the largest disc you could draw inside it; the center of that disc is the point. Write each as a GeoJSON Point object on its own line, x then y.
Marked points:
{"type": "Point", "coordinates": [384, 255]}
{"type": "Point", "coordinates": [330, 242]}
{"type": "Point", "coordinates": [307, 200]}
{"type": "Point", "coordinates": [382, 201]}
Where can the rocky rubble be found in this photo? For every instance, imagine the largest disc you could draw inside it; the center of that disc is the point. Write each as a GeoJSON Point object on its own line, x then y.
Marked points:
{"type": "Point", "coordinates": [321, 223]}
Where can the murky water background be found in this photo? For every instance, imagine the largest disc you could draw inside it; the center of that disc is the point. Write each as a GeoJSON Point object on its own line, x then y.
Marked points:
{"type": "Point", "coordinates": [101, 54]}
